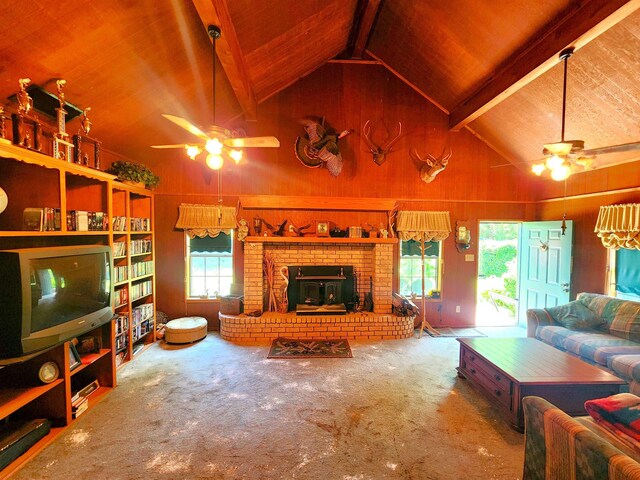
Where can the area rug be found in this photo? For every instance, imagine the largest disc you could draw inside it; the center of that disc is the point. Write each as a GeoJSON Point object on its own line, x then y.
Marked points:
{"type": "Point", "coordinates": [289, 348]}
{"type": "Point", "coordinates": [457, 332]}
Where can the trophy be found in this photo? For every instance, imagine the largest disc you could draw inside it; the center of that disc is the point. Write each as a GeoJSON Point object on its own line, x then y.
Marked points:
{"type": "Point", "coordinates": [3, 138]}
{"type": "Point", "coordinates": [61, 137]}
{"type": "Point", "coordinates": [83, 134]}
{"type": "Point", "coordinates": [25, 103]}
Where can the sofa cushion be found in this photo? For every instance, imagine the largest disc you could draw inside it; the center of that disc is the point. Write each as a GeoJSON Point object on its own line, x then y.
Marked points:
{"type": "Point", "coordinates": [622, 315]}
{"type": "Point", "coordinates": [593, 347]}
{"type": "Point", "coordinates": [626, 367]}
{"type": "Point", "coordinates": [575, 316]}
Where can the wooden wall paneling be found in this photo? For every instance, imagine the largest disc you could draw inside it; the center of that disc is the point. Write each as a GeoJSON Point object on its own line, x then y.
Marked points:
{"type": "Point", "coordinates": [86, 194]}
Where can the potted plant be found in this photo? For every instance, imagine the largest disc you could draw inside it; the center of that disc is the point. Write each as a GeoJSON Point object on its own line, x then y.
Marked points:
{"type": "Point", "coordinates": [134, 172]}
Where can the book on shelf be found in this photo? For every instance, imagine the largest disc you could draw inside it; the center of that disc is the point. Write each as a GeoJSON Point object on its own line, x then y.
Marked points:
{"type": "Point", "coordinates": [32, 219]}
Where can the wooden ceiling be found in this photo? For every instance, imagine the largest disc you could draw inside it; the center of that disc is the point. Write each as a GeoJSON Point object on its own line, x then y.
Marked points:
{"type": "Point", "coordinates": [492, 70]}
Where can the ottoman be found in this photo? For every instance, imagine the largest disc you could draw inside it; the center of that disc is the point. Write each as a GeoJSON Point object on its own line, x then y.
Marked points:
{"type": "Point", "coordinates": [186, 330]}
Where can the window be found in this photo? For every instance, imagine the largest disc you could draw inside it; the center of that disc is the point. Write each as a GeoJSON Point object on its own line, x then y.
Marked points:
{"type": "Point", "coordinates": [209, 266]}
{"type": "Point", "coordinates": [627, 274]}
{"type": "Point", "coordinates": [410, 259]}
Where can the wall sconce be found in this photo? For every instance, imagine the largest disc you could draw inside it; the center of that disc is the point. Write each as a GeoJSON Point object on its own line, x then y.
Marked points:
{"type": "Point", "coordinates": [463, 236]}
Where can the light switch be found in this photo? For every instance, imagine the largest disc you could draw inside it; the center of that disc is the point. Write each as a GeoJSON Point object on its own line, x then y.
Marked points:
{"type": "Point", "coordinates": [469, 257]}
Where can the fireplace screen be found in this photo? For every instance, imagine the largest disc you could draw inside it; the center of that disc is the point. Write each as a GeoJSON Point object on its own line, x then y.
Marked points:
{"type": "Point", "coordinates": [321, 289]}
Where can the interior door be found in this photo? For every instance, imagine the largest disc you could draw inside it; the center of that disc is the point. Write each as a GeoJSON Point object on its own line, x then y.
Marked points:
{"type": "Point", "coordinates": [545, 266]}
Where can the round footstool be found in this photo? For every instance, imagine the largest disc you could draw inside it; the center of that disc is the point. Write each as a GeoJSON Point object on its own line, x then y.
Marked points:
{"type": "Point", "coordinates": [186, 330]}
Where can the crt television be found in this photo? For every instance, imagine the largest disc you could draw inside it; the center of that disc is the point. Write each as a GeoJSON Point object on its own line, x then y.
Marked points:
{"type": "Point", "coordinates": [50, 295]}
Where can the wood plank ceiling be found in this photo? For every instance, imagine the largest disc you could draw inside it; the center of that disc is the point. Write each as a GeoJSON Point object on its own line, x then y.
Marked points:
{"type": "Point", "coordinates": [493, 70]}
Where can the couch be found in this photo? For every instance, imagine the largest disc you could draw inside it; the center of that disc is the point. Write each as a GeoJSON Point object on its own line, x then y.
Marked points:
{"type": "Point", "coordinates": [601, 330]}
{"type": "Point", "coordinates": [558, 447]}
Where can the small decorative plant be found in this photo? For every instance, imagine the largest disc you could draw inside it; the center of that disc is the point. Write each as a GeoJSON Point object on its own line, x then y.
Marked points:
{"type": "Point", "coordinates": [134, 172]}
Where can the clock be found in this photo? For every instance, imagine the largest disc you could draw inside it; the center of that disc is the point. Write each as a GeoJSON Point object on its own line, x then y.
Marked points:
{"type": "Point", "coordinates": [322, 229]}
{"type": "Point", "coordinates": [48, 372]}
{"type": "Point", "coordinates": [4, 200]}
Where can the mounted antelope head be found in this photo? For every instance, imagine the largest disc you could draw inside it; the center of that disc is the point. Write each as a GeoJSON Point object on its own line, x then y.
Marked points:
{"type": "Point", "coordinates": [380, 152]}
{"type": "Point", "coordinates": [432, 166]}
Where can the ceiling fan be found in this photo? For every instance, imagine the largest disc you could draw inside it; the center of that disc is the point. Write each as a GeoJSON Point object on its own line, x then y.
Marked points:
{"type": "Point", "coordinates": [564, 157]}
{"type": "Point", "coordinates": [218, 142]}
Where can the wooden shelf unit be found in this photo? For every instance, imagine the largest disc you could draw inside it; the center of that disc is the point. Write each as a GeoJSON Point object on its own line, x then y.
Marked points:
{"type": "Point", "coordinates": [131, 203]}
{"type": "Point", "coordinates": [32, 179]}
{"type": "Point", "coordinates": [23, 396]}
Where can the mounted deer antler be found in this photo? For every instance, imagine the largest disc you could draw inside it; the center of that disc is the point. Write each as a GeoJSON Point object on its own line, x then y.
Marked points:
{"type": "Point", "coordinates": [380, 152]}
{"type": "Point", "coordinates": [432, 166]}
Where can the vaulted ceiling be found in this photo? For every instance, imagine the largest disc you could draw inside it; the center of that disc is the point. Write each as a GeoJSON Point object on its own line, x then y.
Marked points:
{"type": "Point", "coordinates": [492, 69]}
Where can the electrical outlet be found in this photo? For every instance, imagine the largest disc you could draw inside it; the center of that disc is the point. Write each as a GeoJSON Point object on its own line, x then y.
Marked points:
{"type": "Point", "coordinates": [457, 308]}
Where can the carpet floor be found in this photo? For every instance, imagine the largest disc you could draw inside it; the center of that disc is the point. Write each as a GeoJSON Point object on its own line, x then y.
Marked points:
{"type": "Point", "coordinates": [215, 410]}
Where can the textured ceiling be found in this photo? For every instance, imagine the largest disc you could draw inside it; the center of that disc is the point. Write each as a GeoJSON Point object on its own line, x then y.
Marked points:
{"type": "Point", "coordinates": [494, 70]}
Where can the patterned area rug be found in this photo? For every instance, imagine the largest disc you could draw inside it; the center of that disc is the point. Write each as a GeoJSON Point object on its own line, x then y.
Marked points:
{"type": "Point", "coordinates": [457, 332]}
{"type": "Point", "coordinates": [288, 348]}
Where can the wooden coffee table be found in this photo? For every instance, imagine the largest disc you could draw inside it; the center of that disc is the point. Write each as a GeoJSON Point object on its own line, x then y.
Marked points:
{"type": "Point", "coordinates": [508, 369]}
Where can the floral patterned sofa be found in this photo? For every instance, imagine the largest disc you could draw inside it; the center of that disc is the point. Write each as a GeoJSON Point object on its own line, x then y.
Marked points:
{"type": "Point", "coordinates": [601, 330]}
{"type": "Point", "coordinates": [558, 447]}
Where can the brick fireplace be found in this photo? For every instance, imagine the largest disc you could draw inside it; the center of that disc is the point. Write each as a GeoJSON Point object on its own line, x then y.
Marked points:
{"type": "Point", "coordinates": [371, 258]}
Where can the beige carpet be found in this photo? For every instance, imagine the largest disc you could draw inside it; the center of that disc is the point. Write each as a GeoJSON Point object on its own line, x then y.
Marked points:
{"type": "Point", "coordinates": [396, 410]}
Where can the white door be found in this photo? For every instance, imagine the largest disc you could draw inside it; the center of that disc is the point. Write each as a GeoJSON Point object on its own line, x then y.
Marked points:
{"type": "Point", "coordinates": [545, 266]}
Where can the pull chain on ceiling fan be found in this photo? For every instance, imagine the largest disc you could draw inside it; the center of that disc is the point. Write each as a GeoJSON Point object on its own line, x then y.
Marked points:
{"type": "Point", "coordinates": [563, 157]}
{"type": "Point", "coordinates": [218, 143]}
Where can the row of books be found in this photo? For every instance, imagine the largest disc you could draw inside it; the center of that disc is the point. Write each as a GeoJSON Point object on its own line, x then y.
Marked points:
{"type": "Point", "coordinates": [85, 221]}
{"type": "Point", "coordinates": [119, 224]}
{"type": "Point", "coordinates": [80, 399]}
{"type": "Point", "coordinates": [142, 313]}
{"type": "Point", "coordinates": [121, 296]}
{"type": "Point", "coordinates": [121, 324]}
{"type": "Point", "coordinates": [140, 224]}
{"type": "Point", "coordinates": [142, 329]}
{"type": "Point", "coordinates": [139, 246]}
{"type": "Point", "coordinates": [141, 289]}
{"type": "Point", "coordinates": [120, 274]}
{"type": "Point", "coordinates": [138, 269]}
{"type": "Point", "coordinates": [122, 342]}
{"type": "Point", "coordinates": [119, 249]}
{"type": "Point", "coordinates": [41, 219]}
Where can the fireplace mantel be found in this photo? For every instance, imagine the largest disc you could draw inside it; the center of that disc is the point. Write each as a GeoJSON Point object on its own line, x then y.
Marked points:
{"type": "Point", "coordinates": [321, 240]}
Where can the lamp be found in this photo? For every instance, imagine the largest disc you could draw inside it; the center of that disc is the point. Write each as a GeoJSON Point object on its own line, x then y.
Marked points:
{"type": "Point", "coordinates": [557, 161]}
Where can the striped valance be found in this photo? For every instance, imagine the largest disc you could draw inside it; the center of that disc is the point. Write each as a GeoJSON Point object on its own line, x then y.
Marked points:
{"type": "Point", "coordinates": [618, 226]}
{"type": "Point", "coordinates": [203, 220]}
{"type": "Point", "coordinates": [419, 225]}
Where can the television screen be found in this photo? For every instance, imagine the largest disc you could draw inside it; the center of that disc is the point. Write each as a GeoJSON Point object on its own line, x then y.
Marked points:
{"type": "Point", "coordinates": [67, 287]}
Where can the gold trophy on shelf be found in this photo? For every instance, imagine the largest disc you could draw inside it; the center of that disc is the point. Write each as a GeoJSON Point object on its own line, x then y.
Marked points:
{"type": "Point", "coordinates": [83, 136]}
{"type": "Point", "coordinates": [3, 136]}
{"type": "Point", "coordinates": [21, 136]}
{"type": "Point", "coordinates": [61, 137]}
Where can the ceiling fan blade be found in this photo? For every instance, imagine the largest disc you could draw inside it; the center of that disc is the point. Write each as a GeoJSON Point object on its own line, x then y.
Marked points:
{"type": "Point", "coordinates": [624, 147]}
{"type": "Point", "coordinates": [178, 145]}
{"type": "Point", "coordinates": [252, 142]}
{"type": "Point", "coordinates": [187, 125]}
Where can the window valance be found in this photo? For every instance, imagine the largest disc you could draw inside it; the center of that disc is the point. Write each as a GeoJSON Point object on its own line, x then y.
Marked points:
{"type": "Point", "coordinates": [203, 220]}
{"type": "Point", "coordinates": [618, 226]}
{"type": "Point", "coordinates": [419, 225]}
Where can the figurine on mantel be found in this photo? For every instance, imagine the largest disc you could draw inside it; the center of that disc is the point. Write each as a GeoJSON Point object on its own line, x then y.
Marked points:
{"type": "Point", "coordinates": [243, 229]}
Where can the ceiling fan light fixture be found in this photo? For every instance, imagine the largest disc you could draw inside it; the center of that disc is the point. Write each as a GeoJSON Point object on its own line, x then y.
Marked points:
{"type": "Point", "coordinates": [236, 155]}
{"type": "Point", "coordinates": [214, 146]}
{"type": "Point", "coordinates": [192, 151]}
{"type": "Point", "coordinates": [560, 148]}
{"type": "Point", "coordinates": [553, 162]}
{"type": "Point", "coordinates": [561, 172]}
{"type": "Point", "coordinates": [215, 161]}
{"type": "Point", "coordinates": [538, 168]}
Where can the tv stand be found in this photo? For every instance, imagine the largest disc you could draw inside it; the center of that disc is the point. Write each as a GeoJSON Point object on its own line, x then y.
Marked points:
{"type": "Point", "coordinates": [24, 397]}
{"type": "Point", "coordinates": [12, 361]}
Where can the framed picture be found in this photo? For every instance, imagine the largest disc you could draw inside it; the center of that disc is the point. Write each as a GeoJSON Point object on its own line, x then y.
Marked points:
{"type": "Point", "coordinates": [74, 358]}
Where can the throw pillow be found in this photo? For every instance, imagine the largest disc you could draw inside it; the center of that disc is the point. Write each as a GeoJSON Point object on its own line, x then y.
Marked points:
{"type": "Point", "coordinates": [574, 316]}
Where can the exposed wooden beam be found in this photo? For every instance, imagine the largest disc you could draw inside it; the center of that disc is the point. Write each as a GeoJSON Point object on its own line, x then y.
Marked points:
{"type": "Point", "coordinates": [412, 85]}
{"type": "Point", "coordinates": [367, 19]}
{"type": "Point", "coordinates": [216, 12]}
{"type": "Point", "coordinates": [581, 24]}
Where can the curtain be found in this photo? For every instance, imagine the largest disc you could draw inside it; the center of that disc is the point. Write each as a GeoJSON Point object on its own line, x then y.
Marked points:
{"type": "Point", "coordinates": [206, 220]}
{"type": "Point", "coordinates": [618, 226]}
{"type": "Point", "coordinates": [412, 225]}
{"type": "Point", "coordinates": [628, 274]}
